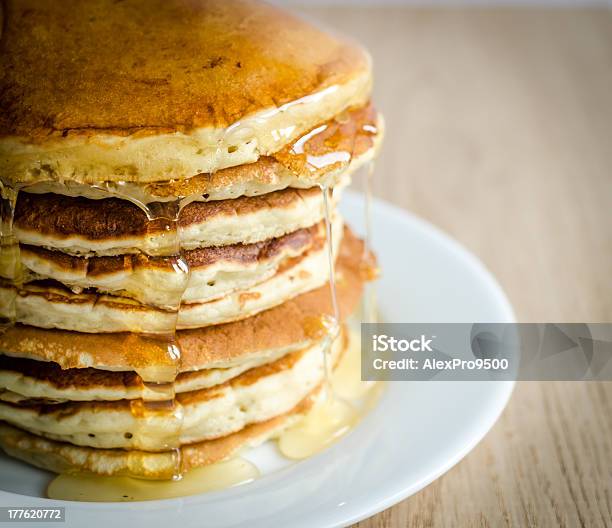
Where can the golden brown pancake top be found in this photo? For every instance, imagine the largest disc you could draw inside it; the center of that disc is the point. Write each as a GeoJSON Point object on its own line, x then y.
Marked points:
{"type": "Point", "coordinates": [156, 66]}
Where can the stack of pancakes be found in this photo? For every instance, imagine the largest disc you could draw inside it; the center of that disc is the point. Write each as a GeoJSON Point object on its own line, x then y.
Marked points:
{"type": "Point", "coordinates": [170, 173]}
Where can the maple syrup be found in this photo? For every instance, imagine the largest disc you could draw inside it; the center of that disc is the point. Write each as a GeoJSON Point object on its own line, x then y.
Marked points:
{"type": "Point", "coordinates": [95, 488]}
{"type": "Point", "coordinates": [332, 417]}
{"type": "Point", "coordinates": [10, 262]}
{"type": "Point", "coordinates": [368, 268]}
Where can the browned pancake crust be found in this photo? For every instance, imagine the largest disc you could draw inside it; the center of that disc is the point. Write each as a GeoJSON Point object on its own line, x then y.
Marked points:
{"type": "Point", "coordinates": [299, 240]}
{"type": "Point", "coordinates": [344, 137]}
{"type": "Point", "coordinates": [50, 372]}
{"type": "Point", "coordinates": [64, 216]}
{"type": "Point", "coordinates": [89, 379]}
{"type": "Point", "coordinates": [66, 409]}
{"type": "Point", "coordinates": [282, 326]}
{"type": "Point", "coordinates": [60, 456]}
{"type": "Point", "coordinates": [211, 451]}
{"type": "Point", "coordinates": [353, 132]}
{"type": "Point", "coordinates": [83, 378]}
{"type": "Point", "coordinates": [56, 292]}
{"type": "Point", "coordinates": [114, 66]}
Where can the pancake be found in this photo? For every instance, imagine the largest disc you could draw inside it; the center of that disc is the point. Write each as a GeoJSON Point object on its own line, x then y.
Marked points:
{"type": "Point", "coordinates": [213, 271]}
{"type": "Point", "coordinates": [80, 226]}
{"type": "Point", "coordinates": [63, 457]}
{"type": "Point", "coordinates": [254, 396]}
{"type": "Point", "coordinates": [50, 305]}
{"type": "Point", "coordinates": [243, 80]}
{"type": "Point", "coordinates": [331, 153]}
{"type": "Point", "coordinates": [291, 326]}
{"type": "Point", "coordinates": [23, 380]}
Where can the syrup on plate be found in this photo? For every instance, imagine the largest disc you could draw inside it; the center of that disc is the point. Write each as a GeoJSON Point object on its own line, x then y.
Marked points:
{"type": "Point", "coordinates": [93, 488]}
{"type": "Point", "coordinates": [335, 412]}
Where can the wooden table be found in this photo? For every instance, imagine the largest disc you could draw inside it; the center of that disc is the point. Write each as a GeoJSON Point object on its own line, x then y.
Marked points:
{"type": "Point", "coordinates": [499, 131]}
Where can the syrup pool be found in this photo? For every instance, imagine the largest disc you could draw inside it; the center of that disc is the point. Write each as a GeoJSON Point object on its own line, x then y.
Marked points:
{"type": "Point", "coordinates": [332, 416]}
{"type": "Point", "coordinates": [93, 488]}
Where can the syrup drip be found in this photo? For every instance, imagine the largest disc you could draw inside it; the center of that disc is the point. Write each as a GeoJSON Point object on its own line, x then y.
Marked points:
{"type": "Point", "coordinates": [332, 326]}
{"type": "Point", "coordinates": [369, 173]}
{"type": "Point", "coordinates": [333, 415]}
{"type": "Point", "coordinates": [332, 418]}
{"type": "Point", "coordinates": [159, 414]}
{"type": "Point", "coordinates": [339, 155]}
{"type": "Point", "coordinates": [338, 409]}
{"type": "Point", "coordinates": [323, 425]}
{"type": "Point", "coordinates": [336, 155]}
{"type": "Point", "coordinates": [368, 268]}
{"type": "Point", "coordinates": [94, 488]}
{"type": "Point", "coordinates": [10, 262]}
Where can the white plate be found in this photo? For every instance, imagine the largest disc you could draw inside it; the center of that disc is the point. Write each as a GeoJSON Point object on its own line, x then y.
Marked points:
{"type": "Point", "coordinates": [417, 432]}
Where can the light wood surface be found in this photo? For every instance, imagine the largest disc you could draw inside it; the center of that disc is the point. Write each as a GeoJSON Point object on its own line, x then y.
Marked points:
{"type": "Point", "coordinates": [499, 131]}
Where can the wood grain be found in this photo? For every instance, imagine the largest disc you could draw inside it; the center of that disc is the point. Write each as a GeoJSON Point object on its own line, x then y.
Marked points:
{"type": "Point", "coordinates": [499, 131]}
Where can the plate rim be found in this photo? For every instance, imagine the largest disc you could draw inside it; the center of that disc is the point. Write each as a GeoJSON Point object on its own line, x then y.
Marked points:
{"type": "Point", "coordinates": [507, 315]}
